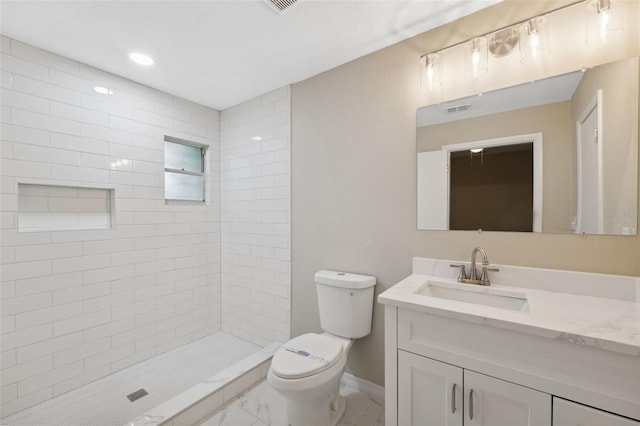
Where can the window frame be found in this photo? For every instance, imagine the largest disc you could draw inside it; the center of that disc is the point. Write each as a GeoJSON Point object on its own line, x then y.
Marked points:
{"type": "Point", "coordinates": [202, 174]}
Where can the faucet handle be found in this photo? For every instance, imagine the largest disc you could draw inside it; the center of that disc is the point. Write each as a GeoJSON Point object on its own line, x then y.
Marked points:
{"type": "Point", "coordinates": [463, 274]}
{"type": "Point", "coordinates": [485, 273]}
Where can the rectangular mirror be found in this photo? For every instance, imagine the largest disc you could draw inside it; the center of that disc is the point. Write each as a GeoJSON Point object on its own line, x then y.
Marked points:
{"type": "Point", "coordinates": [558, 155]}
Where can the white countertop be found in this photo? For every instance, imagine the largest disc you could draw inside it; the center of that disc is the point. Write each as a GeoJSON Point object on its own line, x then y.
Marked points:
{"type": "Point", "coordinates": [608, 324]}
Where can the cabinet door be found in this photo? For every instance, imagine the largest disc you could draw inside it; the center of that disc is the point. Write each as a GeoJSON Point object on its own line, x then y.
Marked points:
{"type": "Point", "coordinates": [429, 392]}
{"type": "Point", "coordinates": [494, 402]}
{"type": "Point", "coordinates": [567, 413]}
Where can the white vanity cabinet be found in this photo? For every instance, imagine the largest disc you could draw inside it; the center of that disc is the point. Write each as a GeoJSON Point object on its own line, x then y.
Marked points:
{"type": "Point", "coordinates": [431, 392]}
{"type": "Point", "coordinates": [567, 413]}
{"type": "Point", "coordinates": [452, 372]}
{"type": "Point", "coordinates": [566, 354]}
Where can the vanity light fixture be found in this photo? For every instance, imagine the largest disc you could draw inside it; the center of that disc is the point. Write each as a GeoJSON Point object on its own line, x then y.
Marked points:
{"type": "Point", "coordinates": [103, 90]}
{"type": "Point", "coordinates": [430, 71]}
{"type": "Point", "coordinates": [534, 39]}
{"type": "Point", "coordinates": [141, 58]}
{"type": "Point", "coordinates": [476, 58]}
{"type": "Point", "coordinates": [605, 19]}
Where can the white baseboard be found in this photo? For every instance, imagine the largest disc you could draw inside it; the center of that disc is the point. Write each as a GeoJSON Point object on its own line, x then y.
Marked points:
{"type": "Point", "coordinates": [364, 386]}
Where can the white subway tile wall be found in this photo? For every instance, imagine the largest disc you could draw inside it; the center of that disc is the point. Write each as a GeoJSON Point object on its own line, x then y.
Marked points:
{"type": "Point", "coordinates": [77, 305]}
{"type": "Point", "coordinates": [256, 218]}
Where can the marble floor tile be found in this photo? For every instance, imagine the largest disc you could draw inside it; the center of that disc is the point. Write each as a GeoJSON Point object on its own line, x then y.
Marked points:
{"type": "Point", "coordinates": [233, 415]}
{"type": "Point", "coordinates": [361, 409]}
{"type": "Point", "coordinates": [262, 405]}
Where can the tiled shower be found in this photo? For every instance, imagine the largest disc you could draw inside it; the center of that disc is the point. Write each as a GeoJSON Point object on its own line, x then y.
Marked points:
{"type": "Point", "coordinates": [99, 272]}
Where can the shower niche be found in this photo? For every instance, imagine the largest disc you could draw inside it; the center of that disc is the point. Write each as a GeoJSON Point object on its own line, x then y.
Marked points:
{"type": "Point", "coordinates": [64, 208]}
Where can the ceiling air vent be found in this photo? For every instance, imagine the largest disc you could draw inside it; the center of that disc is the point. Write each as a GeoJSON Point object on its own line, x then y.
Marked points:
{"type": "Point", "coordinates": [281, 5]}
{"type": "Point", "coordinates": [458, 108]}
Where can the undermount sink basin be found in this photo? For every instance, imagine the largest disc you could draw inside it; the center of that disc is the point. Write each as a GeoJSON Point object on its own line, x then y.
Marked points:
{"type": "Point", "coordinates": [477, 295]}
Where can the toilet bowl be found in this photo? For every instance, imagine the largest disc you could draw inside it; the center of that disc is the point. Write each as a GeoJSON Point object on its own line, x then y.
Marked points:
{"type": "Point", "coordinates": [306, 371]}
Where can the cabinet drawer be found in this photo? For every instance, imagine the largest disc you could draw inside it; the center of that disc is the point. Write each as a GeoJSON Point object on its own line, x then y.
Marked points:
{"type": "Point", "coordinates": [420, 332]}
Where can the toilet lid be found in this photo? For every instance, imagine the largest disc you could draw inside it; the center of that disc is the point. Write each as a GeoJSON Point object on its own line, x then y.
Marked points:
{"type": "Point", "coordinates": [305, 355]}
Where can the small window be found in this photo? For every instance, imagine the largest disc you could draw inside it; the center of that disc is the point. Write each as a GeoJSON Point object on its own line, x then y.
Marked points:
{"type": "Point", "coordinates": [183, 170]}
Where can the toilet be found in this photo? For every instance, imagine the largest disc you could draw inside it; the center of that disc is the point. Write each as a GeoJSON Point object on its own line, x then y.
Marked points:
{"type": "Point", "coordinates": [306, 370]}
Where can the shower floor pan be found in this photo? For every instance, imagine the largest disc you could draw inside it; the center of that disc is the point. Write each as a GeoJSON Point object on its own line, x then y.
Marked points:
{"type": "Point", "coordinates": [177, 387]}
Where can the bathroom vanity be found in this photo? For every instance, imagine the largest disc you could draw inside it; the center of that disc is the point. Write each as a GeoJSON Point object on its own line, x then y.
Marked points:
{"type": "Point", "coordinates": [536, 347]}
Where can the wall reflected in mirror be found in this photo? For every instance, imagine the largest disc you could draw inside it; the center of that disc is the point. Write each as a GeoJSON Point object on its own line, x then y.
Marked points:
{"type": "Point", "coordinates": [582, 174]}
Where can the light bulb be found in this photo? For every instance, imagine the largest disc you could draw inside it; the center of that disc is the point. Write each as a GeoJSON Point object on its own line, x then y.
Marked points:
{"type": "Point", "coordinates": [430, 76]}
{"type": "Point", "coordinates": [534, 42]}
{"type": "Point", "coordinates": [604, 22]}
{"type": "Point", "coordinates": [475, 60]}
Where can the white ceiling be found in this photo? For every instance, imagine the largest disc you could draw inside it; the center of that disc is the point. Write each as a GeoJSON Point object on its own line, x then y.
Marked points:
{"type": "Point", "coordinates": [219, 53]}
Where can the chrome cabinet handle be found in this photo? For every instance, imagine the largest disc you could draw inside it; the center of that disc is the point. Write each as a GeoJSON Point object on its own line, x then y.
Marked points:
{"type": "Point", "coordinates": [453, 398]}
{"type": "Point", "coordinates": [471, 404]}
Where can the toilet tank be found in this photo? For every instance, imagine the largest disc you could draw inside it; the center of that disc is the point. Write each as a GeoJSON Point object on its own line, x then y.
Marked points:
{"type": "Point", "coordinates": [345, 302]}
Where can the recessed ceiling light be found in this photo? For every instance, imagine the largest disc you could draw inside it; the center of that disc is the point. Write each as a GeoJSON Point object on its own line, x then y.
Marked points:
{"type": "Point", "coordinates": [103, 90]}
{"type": "Point", "coordinates": [256, 138]}
{"type": "Point", "coordinates": [140, 58]}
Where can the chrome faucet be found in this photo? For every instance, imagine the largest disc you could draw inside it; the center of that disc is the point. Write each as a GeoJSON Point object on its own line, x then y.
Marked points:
{"type": "Point", "coordinates": [473, 274]}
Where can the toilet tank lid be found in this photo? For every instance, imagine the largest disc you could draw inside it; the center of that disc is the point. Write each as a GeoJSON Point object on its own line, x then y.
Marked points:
{"type": "Point", "coordinates": [344, 279]}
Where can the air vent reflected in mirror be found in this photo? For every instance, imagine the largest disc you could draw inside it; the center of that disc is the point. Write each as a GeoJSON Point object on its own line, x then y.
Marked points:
{"type": "Point", "coordinates": [457, 108]}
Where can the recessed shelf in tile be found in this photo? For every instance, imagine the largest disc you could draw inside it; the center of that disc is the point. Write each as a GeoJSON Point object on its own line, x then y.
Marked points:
{"type": "Point", "coordinates": [58, 208]}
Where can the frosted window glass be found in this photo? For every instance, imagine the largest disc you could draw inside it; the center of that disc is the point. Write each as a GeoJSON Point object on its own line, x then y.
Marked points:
{"type": "Point", "coordinates": [178, 186]}
{"type": "Point", "coordinates": [182, 157]}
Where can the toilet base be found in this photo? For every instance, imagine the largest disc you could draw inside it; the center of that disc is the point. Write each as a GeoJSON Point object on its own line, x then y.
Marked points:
{"type": "Point", "coordinates": [337, 410]}
{"type": "Point", "coordinates": [327, 412]}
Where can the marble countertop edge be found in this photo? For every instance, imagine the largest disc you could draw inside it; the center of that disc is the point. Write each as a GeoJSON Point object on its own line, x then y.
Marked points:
{"type": "Point", "coordinates": [614, 327]}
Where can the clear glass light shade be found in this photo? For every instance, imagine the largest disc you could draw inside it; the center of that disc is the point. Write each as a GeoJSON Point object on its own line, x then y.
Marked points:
{"type": "Point", "coordinates": [476, 58]}
{"type": "Point", "coordinates": [430, 71]}
{"type": "Point", "coordinates": [534, 40]}
{"type": "Point", "coordinates": [604, 21]}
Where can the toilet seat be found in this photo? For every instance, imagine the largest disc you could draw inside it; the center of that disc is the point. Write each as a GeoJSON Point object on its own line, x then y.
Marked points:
{"type": "Point", "coordinates": [305, 356]}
